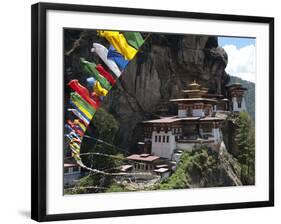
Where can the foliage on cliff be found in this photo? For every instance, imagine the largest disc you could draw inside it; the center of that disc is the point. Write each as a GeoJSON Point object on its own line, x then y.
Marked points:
{"type": "Point", "coordinates": [197, 164]}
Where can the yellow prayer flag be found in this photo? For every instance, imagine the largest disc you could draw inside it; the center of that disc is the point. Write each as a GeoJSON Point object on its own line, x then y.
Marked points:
{"type": "Point", "coordinates": [119, 42]}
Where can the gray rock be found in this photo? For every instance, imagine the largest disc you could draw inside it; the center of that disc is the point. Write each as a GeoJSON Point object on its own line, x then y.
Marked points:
{"type": "Point", "coordinates": [165, 65]}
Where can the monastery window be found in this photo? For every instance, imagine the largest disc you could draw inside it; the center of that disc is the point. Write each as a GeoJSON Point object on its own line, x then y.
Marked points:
{"type": "Point", "coordinates": [159, 138]}
{"type": "Point", "coordinates": [155, 138]}
{"type": "Point", "coordinates": [167, 139]}
{"type": "Point", "coordinates": [76, 169]}
{"type": "Point", "coordinates": [189, 111]}
{"type": "Point", "coordinates": [70, 170]}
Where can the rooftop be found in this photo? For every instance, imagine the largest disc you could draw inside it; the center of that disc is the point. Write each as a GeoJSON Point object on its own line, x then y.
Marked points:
{"type": "Point", "coordinates": [125, 168]}
{"type": "Point", "coordinates": [236, 86]}
{"type": "Point", "coordinates": [224, 99]}
{"type": "Point", "coordinates": [161, 170]}
{"type": "Point", "coordinates": [141, 157]}
{"type": "Point", "coordinates": [176, 118]}
{"type": "Point", "coordinates": [211, 119]}
{"type": "Point", "coordinates": [198, 140]}
{"type": "Point", "coordinates": [171, 119]}
{"type": "Point", "coordinates": [69, 165]}
{"type": "Point", "coordinates": [194, 99]}
{"type": "Point", "coordinates": [162, 166]}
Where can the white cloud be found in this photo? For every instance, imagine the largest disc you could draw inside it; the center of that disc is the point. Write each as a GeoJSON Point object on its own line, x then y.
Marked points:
{"type": "Point", "coordinates": [241, 61]}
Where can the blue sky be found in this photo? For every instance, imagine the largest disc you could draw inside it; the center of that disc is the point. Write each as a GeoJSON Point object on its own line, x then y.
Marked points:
{"type": "Point", "coordinates": [241, 56]}
{"type": "Point", "coordinates": [237, 41]}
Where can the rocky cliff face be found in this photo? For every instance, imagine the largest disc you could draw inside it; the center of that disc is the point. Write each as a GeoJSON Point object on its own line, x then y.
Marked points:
{"type": "Point", "coordinates": [164, 67]}
{"type": "Point", "coordinates": [225, 171]}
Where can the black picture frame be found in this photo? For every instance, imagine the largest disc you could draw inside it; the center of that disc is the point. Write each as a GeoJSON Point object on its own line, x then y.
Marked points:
{"type": "Point", "coordinates": [39, 122]}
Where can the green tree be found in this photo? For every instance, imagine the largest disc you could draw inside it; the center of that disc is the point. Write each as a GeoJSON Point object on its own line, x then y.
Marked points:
{"type": "Point", "coordinates": [104, 128]}
{"type": "Point", "coordinates": [105, 125]}
{"type": "Point", "coordinates": [245, 139]}
{"type": "Point", "coordinates": [110, 158]}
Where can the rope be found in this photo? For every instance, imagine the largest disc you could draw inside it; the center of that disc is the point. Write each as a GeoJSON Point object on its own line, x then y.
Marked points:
{"type": "Point", "coordinates": [81, 164]}
{"type": "Point", "coordinates": [98, 154]}
{"type": "Point", "coordinates": [106, 143]}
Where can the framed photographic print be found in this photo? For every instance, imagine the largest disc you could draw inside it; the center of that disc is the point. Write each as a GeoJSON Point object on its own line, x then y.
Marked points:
{"type": "Point", "coordinates": [138, 111]}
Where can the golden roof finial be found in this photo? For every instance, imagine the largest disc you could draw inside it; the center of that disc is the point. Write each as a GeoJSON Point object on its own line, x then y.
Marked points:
{"type": "Point", "coordinates": [194, 85]}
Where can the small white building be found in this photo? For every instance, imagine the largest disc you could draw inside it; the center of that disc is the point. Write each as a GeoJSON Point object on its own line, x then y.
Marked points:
{"type": "Point", "coordinates": [236, 93]}
{"type": "Point", "coordinates": [72, 173]}
{"type": "Point", "coordinates": [144, 162]}
{"type": "Point", "coordinates": [163, 172]}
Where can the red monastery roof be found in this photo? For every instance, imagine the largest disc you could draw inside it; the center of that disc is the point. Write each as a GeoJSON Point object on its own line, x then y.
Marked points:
{"type": "Point", "coordinates": [193, 99]}
{"type": "Point", "coordinates": [171, 119]}
{"type": "Point", "coordinates": [176, 118]}
{"type": "Point", "coordinates": [236, 86]}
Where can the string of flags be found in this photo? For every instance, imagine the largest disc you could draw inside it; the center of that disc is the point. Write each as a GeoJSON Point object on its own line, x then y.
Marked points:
{"type": "Point", "coordinates": [85, 101]}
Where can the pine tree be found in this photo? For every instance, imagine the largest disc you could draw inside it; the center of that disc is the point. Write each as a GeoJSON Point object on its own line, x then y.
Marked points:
{"type": "Point", "coordinates": [245, 139]}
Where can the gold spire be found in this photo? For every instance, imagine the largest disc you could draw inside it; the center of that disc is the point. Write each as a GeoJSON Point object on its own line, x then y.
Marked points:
{"type": "Point", "coordinates": [194, 85]}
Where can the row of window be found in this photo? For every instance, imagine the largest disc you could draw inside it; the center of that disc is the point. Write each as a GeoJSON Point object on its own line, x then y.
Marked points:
{"type": "Point", "coordinates": [159, 138]}
{"type": "Point", "coordinates": [143, 166]}
{"type": "Point", "coordinates": [71, 169]}
{"type": "Point", "coordinates": [176, 130]}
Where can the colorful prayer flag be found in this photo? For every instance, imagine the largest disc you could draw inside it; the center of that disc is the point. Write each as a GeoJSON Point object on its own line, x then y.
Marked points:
{"type": "Point", "coordinates": [117, 57]}
{"type": "Point", "coordinates": [90, 69]}
{"type": "Point", "coordinates": [119, 42]}
{"type": "Point", "coordinates": [102, 52]}
{"type": "Point", "coordinates": [134, 39]}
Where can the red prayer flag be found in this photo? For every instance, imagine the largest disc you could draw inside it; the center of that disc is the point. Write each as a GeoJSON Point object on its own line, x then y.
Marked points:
{"type": "Point", "coordinates": [106, 74]}
{"type": "Point", "coordinates": [83, 92]}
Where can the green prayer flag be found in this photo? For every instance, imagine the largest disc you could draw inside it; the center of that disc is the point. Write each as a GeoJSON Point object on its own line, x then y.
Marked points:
{"type": "Point", "coordinates": [90, 69]}
{"type": "Point", "coordinates": [75, 97]}
{"type": "Point", "coordinates": [134, 39]}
